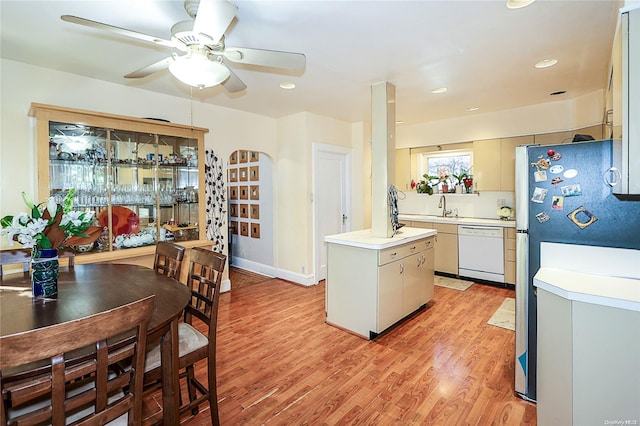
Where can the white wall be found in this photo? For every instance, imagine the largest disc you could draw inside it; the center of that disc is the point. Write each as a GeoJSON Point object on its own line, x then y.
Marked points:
{"type": "Point", "coordinates": [293, 197]}
{"type": "Point", "coordinates": [294, 205]}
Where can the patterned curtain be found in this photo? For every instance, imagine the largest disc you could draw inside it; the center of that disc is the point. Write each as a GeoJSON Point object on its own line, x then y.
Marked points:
{"type": "Point", "coordinates": [215, 203]}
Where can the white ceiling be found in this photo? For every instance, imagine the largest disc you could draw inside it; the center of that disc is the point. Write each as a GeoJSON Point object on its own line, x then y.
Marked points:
{"type": "Point", "coordinates": [482, 51]}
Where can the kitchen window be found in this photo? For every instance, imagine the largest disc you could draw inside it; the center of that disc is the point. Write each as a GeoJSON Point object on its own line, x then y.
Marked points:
{"type": "Point", "coordinates": [448, 166]}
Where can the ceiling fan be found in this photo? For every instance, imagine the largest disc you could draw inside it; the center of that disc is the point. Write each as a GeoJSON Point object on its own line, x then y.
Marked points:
{"type": "Point", "coordinates": [202, 56]}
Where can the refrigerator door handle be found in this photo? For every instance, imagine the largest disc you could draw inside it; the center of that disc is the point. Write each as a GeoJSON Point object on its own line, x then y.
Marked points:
{"type": "Point", "coordinates": [522, 188]}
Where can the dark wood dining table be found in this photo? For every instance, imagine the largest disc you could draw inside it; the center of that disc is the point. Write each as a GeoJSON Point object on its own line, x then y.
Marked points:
{"type": "Point", "coordinates": [89, 289]}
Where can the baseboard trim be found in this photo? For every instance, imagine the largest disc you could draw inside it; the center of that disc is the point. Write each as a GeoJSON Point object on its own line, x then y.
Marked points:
{"type": "Point", "coordinates": [225, 285]}
{"type": "Point", "coordinates": [270, 271]}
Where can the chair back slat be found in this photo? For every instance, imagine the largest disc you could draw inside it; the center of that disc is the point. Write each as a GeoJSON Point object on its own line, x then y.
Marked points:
{"type": "Point", "coordinates": [205, 275]}
{"type": "Point", "coordinates": [168, 259]}
{"type": "Point", "coordinates": [71, 387]}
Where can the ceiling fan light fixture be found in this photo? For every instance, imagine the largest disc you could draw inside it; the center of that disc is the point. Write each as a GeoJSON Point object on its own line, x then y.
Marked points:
{"type": "Point", "coordinates": [546, 63]}
{"type": "Point", "coordinates": [198, 71]}
{"type": "Point", "coordinates": [517, 4]}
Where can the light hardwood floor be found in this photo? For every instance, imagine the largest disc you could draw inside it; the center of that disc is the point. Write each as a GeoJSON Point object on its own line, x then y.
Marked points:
{"type": "Point", "coordinates": [280, 364]}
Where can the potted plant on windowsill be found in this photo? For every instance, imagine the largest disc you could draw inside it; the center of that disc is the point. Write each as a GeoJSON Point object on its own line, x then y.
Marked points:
{"type": "Point", "coordinates": [460, 181]}
{"type": "Point", "coordinates": [425, 186]}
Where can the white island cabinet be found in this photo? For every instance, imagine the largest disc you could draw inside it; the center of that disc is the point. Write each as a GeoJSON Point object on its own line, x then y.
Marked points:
{"type": "Point", "coordinates": [372, 283]}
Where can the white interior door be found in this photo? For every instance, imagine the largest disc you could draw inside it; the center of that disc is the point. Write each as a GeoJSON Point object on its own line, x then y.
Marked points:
{"type": "Point", "coordinates": [331, 177]}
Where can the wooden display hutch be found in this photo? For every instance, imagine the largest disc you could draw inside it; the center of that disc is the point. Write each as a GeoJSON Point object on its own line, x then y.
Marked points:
{"type": "Point", "coordinates": [136, 174]}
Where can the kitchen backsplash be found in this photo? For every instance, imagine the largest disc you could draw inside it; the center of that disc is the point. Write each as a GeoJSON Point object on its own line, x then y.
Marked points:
{"type": "Point", "coordinates": [482, 205]}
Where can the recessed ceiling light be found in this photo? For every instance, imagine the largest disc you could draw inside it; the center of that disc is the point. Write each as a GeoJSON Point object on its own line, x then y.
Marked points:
{"type": "Point", "coordinates": [471, 109]}
{"type": "Point", "coordinates": [517, 4]}
{"type": "Point", "coordinates": [399, 121]}
{"type": "Point", "coordinates": [439, 90]}
{"type": "Point", "coordinates": [287, 85]}
{"type": "Point", "coordinates": [546, 63]}
{"type": "Point", "coordinates": [559, 92]}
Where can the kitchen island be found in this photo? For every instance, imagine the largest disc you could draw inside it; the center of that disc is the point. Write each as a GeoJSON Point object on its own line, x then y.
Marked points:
{"type": "Point", "coordinates": [373, 282]}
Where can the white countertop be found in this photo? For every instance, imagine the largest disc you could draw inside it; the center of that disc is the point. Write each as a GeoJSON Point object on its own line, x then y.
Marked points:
{"type": "Point", "coordinates": [605, 276]}
{"type": "Point", "coordinates": [458, 220]}
{"type": "Point", "coordinates": [364, 239]}
{"type": "Point", "coordinates": [616, 292]}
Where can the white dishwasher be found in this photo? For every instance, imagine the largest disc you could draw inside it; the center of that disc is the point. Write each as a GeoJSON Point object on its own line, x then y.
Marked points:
{"type": "Point", "coordinates": [481, 252]}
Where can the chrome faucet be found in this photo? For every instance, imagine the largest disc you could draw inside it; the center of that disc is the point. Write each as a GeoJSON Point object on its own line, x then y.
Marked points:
{"type": "Point", "coordinates": [443, 205]}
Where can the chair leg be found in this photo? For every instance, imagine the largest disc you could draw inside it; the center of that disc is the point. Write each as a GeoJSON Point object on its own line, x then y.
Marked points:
{"type": "Point", "coordinates": [213, 392]}
{"type": "Point", "coordinates": [193, 395]}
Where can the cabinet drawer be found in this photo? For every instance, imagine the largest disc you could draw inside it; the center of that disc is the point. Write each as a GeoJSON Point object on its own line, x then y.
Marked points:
{"type": "Point", "coordinates": [400, 252]}
{"type": "Point", "coordinates": [428, 243]}
{"type": "Point", "coordinates": [446, 228]}
{"type": "Point", "coordinates": [424, 225]}
{"type": "Point", "coordinates": [392, 254]}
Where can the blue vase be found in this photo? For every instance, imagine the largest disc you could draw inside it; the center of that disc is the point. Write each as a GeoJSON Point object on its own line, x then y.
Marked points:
{"type": "Point", "coordinates": [44, 272]}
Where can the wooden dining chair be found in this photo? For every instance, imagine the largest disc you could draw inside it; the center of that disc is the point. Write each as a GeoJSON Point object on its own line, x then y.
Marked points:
{"type": "Point", "coordinates": [61, 373]}
{"type": "Point", "coordinates": [23, 256]}
{"type": "Point", "coordinates": [204, 278]}
{"type": "Point", "coordinates": [15, 256]}
{"type": "Point", "coordinates": [67, 253]}
{"type": "Point", "coordinates": [168, 259]}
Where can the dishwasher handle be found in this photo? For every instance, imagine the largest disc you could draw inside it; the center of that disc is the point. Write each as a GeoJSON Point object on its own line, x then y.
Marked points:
{"type": "Point", "coordinates": [484, 231]}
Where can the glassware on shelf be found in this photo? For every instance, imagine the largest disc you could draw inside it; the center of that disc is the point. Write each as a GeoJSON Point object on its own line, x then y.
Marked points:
{"type": "Point", "coordinates": [154, 176]}
{"type": "Point", "coordinates": [191, 194]}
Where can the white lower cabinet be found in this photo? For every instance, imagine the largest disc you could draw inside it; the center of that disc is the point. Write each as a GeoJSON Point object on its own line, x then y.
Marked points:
{"type": "Point", "coordinates": [446, 245]}
{"type": "Point", "coordinates": [369, 290]}
{"type": "Point", "coordinates": [587, 363]}
{"type": "Point", "coordinates": [446, 248]}
{"type": "Point", "coordinates": [390, 295]}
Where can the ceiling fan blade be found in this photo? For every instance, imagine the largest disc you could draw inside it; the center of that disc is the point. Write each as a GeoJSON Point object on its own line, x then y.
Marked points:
{"type": "Point", "coordinates": [233, 83]}
{"type": "Point", "coordinates": [213, 18]}
{"type": "Point", "coordinates": [150, 69]}
{"type": "Point", "coordinates": [117, 30]}
{"type": "Point", "coordinates": [266, 58]}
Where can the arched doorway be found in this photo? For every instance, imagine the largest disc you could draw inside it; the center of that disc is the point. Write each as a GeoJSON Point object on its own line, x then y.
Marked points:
{"type": "Point", "coordinates": [250, 211]}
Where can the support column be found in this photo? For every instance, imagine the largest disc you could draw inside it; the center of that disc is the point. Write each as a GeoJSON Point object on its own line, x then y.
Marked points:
{"type": "Point", "coordinates": [383, 146]}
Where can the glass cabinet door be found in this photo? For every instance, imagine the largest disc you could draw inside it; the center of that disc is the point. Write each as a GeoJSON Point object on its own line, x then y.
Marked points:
{"type": "Point", "coordinates": [78, 158]}
{"type": "Point", "coordinates": [142, 187]}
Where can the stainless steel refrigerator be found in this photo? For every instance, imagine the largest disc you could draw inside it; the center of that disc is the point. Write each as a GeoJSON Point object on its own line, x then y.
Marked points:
{"type": "Point", "coordinates": [563, 195]}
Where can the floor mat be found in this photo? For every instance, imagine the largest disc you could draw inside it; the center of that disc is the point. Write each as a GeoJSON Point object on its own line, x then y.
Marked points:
{"type": "Point", "coordinates": [505, 316]}
{"type": "Point", "coordinates": [452, 283]}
